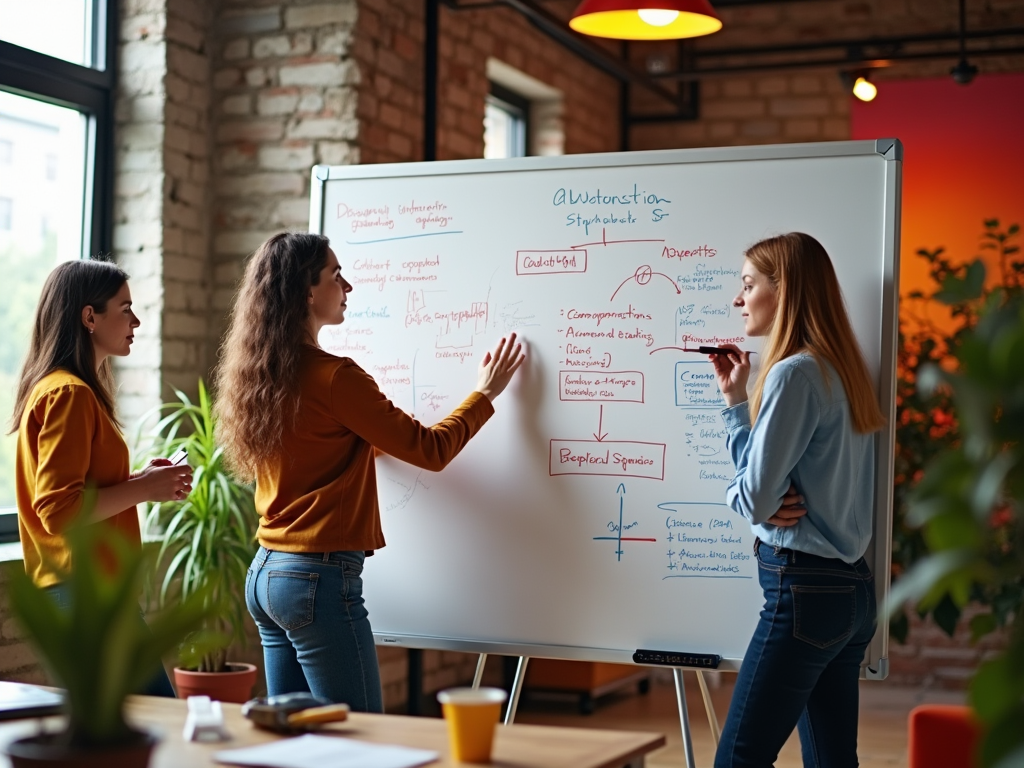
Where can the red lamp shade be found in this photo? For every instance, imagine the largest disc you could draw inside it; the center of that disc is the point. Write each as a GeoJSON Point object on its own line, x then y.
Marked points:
{"type": "Point", "coordinates": [645, 19]}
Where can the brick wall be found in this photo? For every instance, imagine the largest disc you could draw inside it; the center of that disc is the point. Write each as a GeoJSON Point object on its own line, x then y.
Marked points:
{"type": "Point", "coordinates": [388, 48]}
{"type": "Point", "coordinates": [284, 100]}
{"type": "Point", "coordinates": [809, 104]}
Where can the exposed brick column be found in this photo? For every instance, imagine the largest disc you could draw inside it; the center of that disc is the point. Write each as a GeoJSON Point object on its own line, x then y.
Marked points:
{"type": "Point", "coordinates": [161, 221]}
{"type": "Point", "coordinates": [186, 275]}
{"type": "Point", "coordinates": [138, 196]}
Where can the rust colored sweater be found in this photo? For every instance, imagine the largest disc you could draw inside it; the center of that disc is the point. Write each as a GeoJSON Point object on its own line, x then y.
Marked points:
{"type": "Point", "coordinates": [321, 496]}
{"type": "Point", "coordinates": [66, 440]}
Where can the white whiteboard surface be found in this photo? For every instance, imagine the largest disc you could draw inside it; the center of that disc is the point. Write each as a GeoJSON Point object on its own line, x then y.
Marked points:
{"type": "Point", "coordinates": [586, 520]}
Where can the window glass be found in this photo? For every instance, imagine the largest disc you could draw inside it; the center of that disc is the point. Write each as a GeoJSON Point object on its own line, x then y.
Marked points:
{"type": "Point", "coordinates": [504, 129]}
{"type": "Point", "coordinates": [41, 223]}
{"type": "Point", "coordinates": [59, 28]}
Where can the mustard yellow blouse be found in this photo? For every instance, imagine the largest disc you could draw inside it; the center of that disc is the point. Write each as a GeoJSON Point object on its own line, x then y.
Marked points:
{"type": "Point", "coordinates": [66, 441]}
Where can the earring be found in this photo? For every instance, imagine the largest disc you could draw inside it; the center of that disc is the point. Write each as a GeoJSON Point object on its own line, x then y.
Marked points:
{"type": "Point", "coordinates": [90, 330]}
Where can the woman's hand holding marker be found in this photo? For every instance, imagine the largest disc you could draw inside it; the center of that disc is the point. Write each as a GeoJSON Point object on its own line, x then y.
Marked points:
{"type": "Point", "coordinates": [732, 371]}
{"type": "Point", "coordinates": [497, 368]}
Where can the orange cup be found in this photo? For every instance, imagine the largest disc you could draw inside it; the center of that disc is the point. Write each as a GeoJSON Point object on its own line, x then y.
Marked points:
{"type": "Point", "coordinates": [472, 714]}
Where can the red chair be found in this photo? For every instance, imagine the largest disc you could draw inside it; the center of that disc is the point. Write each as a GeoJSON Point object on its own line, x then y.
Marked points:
{"type": "Point", "coordinates": [942, 736]}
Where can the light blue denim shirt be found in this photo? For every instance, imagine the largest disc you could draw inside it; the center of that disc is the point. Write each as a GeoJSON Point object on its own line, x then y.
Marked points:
{"type": "Point", "coordinates": [804, 434]}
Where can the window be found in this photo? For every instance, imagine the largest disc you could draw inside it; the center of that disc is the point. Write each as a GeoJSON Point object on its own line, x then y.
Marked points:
{"type": "Point", "coordinates": [58, 28]}
{"type": "Point", "coordinates": [505, 123]}
{"type": "Point", "coordinates": [56, 106]}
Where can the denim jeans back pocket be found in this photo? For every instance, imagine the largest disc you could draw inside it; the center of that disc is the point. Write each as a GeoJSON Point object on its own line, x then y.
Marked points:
{"type": "Point", "coordinates": [290, 596]}
{"type": "Point", "coordinates": [823, 616]}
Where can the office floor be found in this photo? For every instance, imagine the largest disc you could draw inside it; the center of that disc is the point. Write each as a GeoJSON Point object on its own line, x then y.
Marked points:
{"type": "Point", "coordinates": [883, 720]}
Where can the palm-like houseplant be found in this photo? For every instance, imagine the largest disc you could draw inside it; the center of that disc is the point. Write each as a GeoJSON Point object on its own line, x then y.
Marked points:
{"type": "Point", "coordinates": [208, 539]}
{"type": "Point", "coordinates": [98, 649]}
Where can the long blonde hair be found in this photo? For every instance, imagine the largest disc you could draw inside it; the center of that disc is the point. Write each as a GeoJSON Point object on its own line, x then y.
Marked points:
{"type": "Point", "coordinates": [810, 316]}
{"type": "Point", "coordinates": [257, 380]}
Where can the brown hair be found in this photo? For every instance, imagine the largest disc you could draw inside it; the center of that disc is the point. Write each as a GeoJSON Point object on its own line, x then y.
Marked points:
{"type": "Point", "coordinates": [810, 316]}
{"type": "Point", "coordinates": [257, 383]}
{"type": "Point", "coordinates": [60, 341]}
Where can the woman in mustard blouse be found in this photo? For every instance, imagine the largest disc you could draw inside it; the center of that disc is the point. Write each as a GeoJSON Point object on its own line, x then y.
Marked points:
{"type": "Point", "coordinates": [305, 425]}
{"type": "Point", "coordinates": [68, 434]}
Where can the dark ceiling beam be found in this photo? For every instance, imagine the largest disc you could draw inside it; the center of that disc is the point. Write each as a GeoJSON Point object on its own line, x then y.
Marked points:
{"type": "Point", "coordinates": [865, 42]}
{"type": "Point", "coordinates": [838, 62]}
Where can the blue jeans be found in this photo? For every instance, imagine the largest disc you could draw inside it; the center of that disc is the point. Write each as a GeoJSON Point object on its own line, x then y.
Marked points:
{"type": "Point", "coordinates": [314, 626]}
{"type": "Point", "coordinates": [159, 685]}
{"type": "Point", "coordinates": [803, 663]}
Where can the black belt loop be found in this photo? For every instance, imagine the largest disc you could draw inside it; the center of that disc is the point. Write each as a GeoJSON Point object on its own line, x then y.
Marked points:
{"type": "Point", "coordinates": [757, 544]}
{"type": "Point", "coordinates": [327, 557]}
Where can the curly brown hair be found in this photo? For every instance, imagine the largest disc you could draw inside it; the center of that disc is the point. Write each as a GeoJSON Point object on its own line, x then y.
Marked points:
{"type": "Point", "coordinates": [257, 379]}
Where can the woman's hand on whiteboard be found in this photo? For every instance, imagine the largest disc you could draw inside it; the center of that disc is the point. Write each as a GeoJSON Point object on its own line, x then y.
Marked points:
{"type": "Point", "coordinates": [791, 510]}
{"type": "Point", "coordinates": [731, 372]}
{"type": "Point", "coordinates": [498, 367]}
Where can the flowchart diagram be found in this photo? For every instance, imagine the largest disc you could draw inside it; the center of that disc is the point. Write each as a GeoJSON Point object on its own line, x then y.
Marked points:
{"type": "Point", "coordinates": [615, 332]}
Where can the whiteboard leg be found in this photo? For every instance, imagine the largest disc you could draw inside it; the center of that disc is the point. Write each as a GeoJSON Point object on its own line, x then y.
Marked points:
{"type": "Point", "coordinates": [684, 718]}
{"type": "Point", "coordinates": [479, 676]}
{"type": "Point", "coordinates": [517, 688]}
{"type": "Point", "coordinates": [716, 732]}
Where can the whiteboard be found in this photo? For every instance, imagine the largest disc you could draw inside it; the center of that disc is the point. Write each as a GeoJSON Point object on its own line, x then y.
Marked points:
{"type": "Point", "coordinates": [586, 520]}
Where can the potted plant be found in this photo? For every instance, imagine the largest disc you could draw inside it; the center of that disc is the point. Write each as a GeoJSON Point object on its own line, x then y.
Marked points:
{"type": "Point", "coordinates": [969, 503]}
{"type": "Point", "coordinates": [98, 650]}
{"type": "Point", "coordinates": [206, 543]}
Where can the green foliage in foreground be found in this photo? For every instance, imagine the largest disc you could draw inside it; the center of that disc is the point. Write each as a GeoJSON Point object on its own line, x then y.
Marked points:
{"type": "Point", "coordinates": [208, 539]}
{"type": "Point", "coordinates": [99, 650]}
{"type": "Point", "coordinates": [927, 423]}
{"type": "Point", "coordinates": [969, 504]}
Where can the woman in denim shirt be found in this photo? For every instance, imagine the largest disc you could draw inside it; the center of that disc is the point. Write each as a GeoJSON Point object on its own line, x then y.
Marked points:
{"type": "Point", "coordinates": [803, 446]}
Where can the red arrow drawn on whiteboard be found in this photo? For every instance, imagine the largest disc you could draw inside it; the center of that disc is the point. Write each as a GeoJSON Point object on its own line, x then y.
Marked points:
{"type": "Point", "coordinates": [643, 276]}
{"type": "Point", "coordinates": [600, 419]}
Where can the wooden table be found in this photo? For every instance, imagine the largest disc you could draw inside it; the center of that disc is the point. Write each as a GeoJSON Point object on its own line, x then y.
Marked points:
{"type": "Point", "coordinates": [515, 746]}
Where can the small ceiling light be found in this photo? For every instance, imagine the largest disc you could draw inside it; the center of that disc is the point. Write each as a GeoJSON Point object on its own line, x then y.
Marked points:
{"type": "Point", "coordinates": [645, 19]}
{"type": "Point", "coordinates": [858, 83]}
{"type": "Point", "coordinates": [864, 89]}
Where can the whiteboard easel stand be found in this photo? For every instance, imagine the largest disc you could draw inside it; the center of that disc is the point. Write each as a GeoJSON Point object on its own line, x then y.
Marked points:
{"type": "Point", "coordinates": [684, 718]}
{"type": "Point", "coordinates": [677, 674]}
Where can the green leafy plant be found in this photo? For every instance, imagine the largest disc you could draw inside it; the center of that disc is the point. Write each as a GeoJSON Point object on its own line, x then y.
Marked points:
{"type": "Point", "coordinates": [207, 540]}
{"type": "Point", "coordinates": [98, 649]}
{"type": "Point", "coordinates": [969, 503]}
{"type": "Point", "coordinates": [927, 424]}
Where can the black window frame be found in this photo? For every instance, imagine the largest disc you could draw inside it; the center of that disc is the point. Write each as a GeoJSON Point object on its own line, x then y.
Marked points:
{"type": "Point", "coordinates": [92, 91]}
{"type": "Point", "coordinates": [516, 105]}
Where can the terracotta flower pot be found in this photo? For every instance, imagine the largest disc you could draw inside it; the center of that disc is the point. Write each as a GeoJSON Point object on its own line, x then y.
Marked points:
{"type": "Point", "coordinates": [234, 685]}
{"type": "Point", "coordinates": [48, 750]}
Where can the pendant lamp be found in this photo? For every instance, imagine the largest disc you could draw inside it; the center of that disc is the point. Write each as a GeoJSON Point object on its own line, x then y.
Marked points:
{"type": "Point", "coordinates": [645, 19]}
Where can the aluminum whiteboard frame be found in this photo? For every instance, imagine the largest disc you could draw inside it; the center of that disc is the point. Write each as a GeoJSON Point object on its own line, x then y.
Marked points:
{"type": "Point", "coordinates": [876, 666]}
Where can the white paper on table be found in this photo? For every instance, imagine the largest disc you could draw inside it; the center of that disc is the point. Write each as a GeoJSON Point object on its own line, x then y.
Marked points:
{"type": "Point", "coordinates": [311, 751]}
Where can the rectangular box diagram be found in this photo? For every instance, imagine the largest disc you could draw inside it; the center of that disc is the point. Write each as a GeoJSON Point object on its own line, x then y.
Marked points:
{"type": "Point", "coordinates": [615, 458]}
{"type": "Point", "coordinates": [550, 262]}
{"type": "Point", "coordinates": [696, 386]}
{"type": "Point", "coordinates": [601, 387]}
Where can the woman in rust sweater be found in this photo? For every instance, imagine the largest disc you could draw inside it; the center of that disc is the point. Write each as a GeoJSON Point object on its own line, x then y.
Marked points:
{"type": "Point", "coordinates": [305, 425]}
{"type": "Point", "coordinates": [68, 434]}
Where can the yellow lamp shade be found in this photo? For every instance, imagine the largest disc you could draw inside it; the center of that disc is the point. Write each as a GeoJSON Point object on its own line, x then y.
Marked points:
{"type": "Point", "coordinates": [645, 19]}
